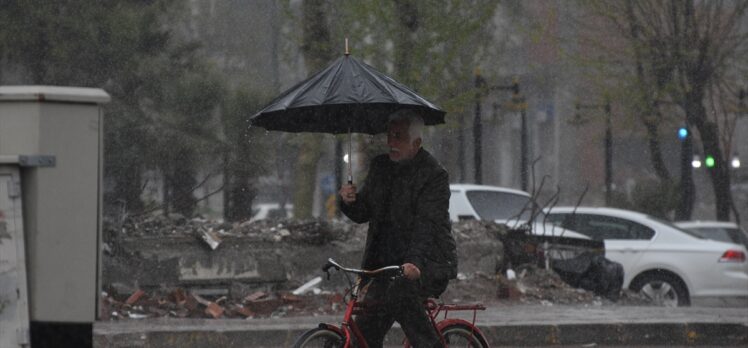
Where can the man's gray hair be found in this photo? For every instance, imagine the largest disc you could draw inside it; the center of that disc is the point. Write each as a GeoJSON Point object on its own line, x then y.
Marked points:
{"type": "Point", "coordinates": [414, 121]}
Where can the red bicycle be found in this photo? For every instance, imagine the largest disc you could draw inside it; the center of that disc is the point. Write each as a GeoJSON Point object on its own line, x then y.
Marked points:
{"type": "Point", "coordinates": [453, 332]}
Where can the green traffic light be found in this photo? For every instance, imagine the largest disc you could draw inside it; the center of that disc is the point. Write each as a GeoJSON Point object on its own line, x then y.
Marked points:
{"type": "Point", "coordinates": [709, 161]}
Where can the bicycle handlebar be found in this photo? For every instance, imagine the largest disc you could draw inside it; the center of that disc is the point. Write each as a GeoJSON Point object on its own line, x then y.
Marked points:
{"type": "Point", "coordinates": [397, 270]}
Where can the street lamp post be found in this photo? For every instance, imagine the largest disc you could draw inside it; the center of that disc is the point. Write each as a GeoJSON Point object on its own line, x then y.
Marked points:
{"type": "Point", "coordinates": [478, 129]}
{"type": "Point", "coordinates": [686, 179]}
{"type": "Point", "coordinates": [608, 144]}
{"type": "Point", "coordinates": [338, 167]}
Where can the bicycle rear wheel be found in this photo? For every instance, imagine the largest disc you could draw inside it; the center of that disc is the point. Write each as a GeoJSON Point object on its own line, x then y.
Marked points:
{"type": "Point", "coordinates": [461, 335]}
{"type": "Point", "coordinates": [319, 338]}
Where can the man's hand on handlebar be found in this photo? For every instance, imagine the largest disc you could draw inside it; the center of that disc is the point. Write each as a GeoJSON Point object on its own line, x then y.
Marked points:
{"type": "Point", "coordinates": [411, 271]}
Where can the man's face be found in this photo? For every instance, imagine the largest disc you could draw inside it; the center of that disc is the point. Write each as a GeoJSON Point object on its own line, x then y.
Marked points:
{"type": "Point", "coordinates": [399, 142]}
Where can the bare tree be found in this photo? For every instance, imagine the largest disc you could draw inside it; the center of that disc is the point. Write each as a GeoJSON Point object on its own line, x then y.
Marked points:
{"type": "Point", "coordinates": [317, 49]}
{"type": "Point", "coordinates": [686, 54]}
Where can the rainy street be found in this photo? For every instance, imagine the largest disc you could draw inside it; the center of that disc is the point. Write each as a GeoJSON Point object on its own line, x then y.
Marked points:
{"type": "Point", "coordinates": [318, 173]}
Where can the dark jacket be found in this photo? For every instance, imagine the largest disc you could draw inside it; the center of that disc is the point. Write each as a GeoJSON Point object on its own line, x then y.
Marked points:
{"type": "Point", "coordinates": [406, 205]}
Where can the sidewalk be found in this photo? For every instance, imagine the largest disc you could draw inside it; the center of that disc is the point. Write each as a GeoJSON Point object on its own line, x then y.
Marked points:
{"type": "Point", "coordinates": [517, 325]}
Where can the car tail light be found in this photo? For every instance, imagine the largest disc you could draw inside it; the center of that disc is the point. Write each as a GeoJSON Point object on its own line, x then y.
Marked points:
{"type": "Point", "coordinates": [733, 256]}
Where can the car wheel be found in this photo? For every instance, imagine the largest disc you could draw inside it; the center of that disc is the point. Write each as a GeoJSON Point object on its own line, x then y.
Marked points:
{"type": "Point", "coordinates": [663, 290]}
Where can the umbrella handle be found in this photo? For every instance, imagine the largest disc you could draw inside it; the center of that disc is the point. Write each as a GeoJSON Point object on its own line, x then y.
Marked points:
{"type": "Point", "coordinates": [350, 155]}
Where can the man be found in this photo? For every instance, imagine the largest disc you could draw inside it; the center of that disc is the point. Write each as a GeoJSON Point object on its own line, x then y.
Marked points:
{"type": "Point", "coordinates": [405, 199]}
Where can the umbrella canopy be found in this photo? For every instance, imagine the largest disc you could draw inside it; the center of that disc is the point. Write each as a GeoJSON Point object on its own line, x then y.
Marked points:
{"type": "Point", "coordinates": [347, 96]}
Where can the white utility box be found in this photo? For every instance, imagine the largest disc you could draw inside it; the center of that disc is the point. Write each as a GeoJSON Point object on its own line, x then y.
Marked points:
{"type": "Point", "coordinates": [55, 135]}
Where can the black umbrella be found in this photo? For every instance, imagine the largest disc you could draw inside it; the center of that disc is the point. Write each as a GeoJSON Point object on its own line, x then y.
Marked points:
{"type": "Point", "coordinates": [347, 96]}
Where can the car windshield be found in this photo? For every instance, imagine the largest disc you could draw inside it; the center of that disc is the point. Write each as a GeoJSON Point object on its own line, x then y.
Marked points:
{"type": "Point", "coordinates": [495, 205]}
{"type": "Point", "coordinates": [723, 234]}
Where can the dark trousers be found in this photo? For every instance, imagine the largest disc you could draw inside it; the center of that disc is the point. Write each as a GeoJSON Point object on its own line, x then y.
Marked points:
{"type": "Point", "coordinates": [399, 300]}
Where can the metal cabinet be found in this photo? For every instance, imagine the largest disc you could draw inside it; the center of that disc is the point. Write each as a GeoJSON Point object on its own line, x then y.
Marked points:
{"type": "Point", "coordinates": [55, 133]}
{"type": "Point", "coordinates": [14, 309]}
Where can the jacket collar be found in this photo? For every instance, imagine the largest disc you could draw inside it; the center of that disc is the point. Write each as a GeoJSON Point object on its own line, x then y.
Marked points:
{"type": "Point", "coordinates": [414, 162]}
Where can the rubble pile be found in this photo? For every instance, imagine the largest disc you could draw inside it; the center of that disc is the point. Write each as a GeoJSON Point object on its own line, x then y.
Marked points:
{"type": "Point", "coordinates": [285, 252]}
{"type": "Point", "coordinates": [536, 285]}
{"type": "Point", "coordinates": [313, 232]}
{"type": "Point", "coordinates": [545, 286]}
{"type": "Point", "coordinates": [179, 303]}
{"type": "Point", "coordinates": [470, 230]}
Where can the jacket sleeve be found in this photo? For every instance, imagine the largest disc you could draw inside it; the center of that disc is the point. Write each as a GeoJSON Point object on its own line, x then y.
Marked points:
{"type": "Point", "coordinates": [431, 225]}
{"type": "Point", "coordinates": [359, 211]}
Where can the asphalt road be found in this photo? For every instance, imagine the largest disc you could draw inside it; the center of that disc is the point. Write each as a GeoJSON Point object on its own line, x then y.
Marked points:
{"type": "Point", "coordinates": [516, 325]}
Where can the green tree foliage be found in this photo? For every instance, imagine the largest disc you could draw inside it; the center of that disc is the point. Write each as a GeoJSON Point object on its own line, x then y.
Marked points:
{"type": "Point", "coordinates": [243, 153]}
{"type": "Point", "coordinates": [431, 46]}
{"type": "Point", "coordinates": [184, 108]}
{"type": "Point", "coordinates": [316, 48]}
{"type": "Point", "coordinates": [248, 63]}
{"type": "Point", "coordinates": [163, 93]}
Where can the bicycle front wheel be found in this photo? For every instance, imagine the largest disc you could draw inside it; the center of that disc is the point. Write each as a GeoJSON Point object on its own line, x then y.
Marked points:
{"type": "Point", "coordinates": [461, 335]}
{"type": "Point", "coordinates": [320, 338]}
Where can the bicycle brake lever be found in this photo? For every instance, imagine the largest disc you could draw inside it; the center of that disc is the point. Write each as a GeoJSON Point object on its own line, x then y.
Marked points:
{"type": "Point", "coordinates": [326, 269]}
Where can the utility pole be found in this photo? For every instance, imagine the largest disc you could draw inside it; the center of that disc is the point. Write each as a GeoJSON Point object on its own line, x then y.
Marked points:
{"type": "Point", "coordinates": [608, 155]}
{"type": "Point", "coordinates": [478, 129]}
{"type": "Point", "coordinates": [461, 147]}
{"type": "Point", "coordinates": [518, 103]}
{"type": "Point", "coordinates": [607, 143]}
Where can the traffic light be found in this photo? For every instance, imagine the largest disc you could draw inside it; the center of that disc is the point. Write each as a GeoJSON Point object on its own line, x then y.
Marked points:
{"type": "Point", "coordinates": [709, 161]}
{"type": "Point", "coordinates": [682, 133]}
{"type": "Point", "coordinates": [696, 162]}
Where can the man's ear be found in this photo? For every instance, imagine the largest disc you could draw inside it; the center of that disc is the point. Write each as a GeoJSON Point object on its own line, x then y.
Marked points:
{"type": "Point", "coordinates": [417, 143]}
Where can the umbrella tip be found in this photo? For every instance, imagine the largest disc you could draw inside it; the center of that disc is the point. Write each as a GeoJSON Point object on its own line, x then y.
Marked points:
{"type": "Point", "coordinates": [346, 47]}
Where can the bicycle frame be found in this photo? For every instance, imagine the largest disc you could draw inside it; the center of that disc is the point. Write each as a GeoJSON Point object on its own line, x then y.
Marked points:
{"type": "Point", "coordinates": [434, 309]}
{"type": "Point", "coordinates": [348, 326]}
{"type": "Point", "coordinates": [349, 329]}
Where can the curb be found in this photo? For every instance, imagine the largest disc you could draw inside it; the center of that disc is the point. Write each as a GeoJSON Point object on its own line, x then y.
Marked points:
{"type": "Point", "coordinates": [237, 333]}
{"type": "Point", "coordinates": [659, 334]}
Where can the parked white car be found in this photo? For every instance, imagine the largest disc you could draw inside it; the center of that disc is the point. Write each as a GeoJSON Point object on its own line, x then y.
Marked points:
{"type": "Point", "coordinates": [723, 231]}
{"type": "Point", "coordinates": [516, 209]}
{"type": "Point", "coordinates": [661, 261]}
{"type": "Point", "coordinates": [502, 205]}
{"type": "Point", "coordinates": [271, 211]}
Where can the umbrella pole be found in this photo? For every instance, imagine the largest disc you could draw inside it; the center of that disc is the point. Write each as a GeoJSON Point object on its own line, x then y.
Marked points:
{"type": "Point", "coordinates": [350, 157]}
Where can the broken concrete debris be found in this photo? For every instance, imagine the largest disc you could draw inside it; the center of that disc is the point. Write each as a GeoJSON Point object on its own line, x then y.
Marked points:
{"type": "Point", "coordinates": [135, 297]}
{"type": "Point", "coordinates": [296, 250]}
{"type": "Point", "coordinates": [308, 286]}
{"type": "Point", "coordinates": [160, 304]}
{"type": "Point", "coordinates": [255, 296]}
{"type": "Point", "coordinates": [214, 310]}
{"type": "Point", "coordinates": [211, 238]}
